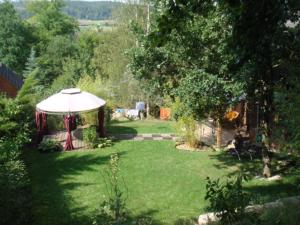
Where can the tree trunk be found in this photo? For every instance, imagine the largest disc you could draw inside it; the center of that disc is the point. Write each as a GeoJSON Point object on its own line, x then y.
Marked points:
{"type": "Point", "coordinates": [268, 110]}
{"type": "Point", "coordinates": [219, 134]}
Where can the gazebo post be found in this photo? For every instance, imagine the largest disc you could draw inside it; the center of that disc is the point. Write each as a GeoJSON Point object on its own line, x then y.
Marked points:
{"type": "Point", "coordinates": [44, 124]}
{"type": "Point", "coordinates": [101, 122]}
{"type": "Point", "coordinates": [38, 116]}
{"type": "Point", "coordinates": [68, 124]}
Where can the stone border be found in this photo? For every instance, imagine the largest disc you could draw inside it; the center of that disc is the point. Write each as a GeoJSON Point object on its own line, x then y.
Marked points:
{"type": "Point", "coordinates": [144, 137]}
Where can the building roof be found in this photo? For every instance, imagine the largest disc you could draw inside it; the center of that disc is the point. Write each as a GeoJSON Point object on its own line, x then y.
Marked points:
{"type": "Point", "coordinates": [11, 76]}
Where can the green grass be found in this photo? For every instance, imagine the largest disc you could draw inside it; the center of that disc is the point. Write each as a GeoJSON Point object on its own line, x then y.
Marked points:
{"type": "Point", "coordinates": [161, 181]}
{"type": "Point", "coordinates": [141, 127]}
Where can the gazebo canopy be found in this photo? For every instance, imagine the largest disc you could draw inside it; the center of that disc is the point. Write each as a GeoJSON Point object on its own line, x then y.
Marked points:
{"type": "Point", "coordinates": [69, 101]}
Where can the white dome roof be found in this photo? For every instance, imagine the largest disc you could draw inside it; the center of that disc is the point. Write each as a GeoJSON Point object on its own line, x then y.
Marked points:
{"type": "Point", "coordinates": [71, 100]}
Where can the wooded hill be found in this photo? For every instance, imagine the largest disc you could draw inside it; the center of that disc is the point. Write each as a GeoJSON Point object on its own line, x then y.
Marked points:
{"type": "Point", "coordinates": [79, 9]}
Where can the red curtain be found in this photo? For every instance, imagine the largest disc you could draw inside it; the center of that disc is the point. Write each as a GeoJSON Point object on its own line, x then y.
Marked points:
{"type": "Point", "coordinates": [68, 125]}
{"type": "Point", "coordinates": [101, 122]}
{"type": "Point", "coordinates": [41, 125]}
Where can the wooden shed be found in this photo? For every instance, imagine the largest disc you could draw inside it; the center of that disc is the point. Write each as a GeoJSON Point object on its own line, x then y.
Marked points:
{"type": "Point", "coordinates": [10, 82]}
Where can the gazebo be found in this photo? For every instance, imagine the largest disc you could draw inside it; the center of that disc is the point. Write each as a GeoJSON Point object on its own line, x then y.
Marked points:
{"type": "Point", "coordinates": [68, 103]}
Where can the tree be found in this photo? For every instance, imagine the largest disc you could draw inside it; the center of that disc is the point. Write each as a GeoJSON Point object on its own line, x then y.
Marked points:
{"type": "Point", "coordinates": [190, 62]}
{"type": "Point", "coordinates": [31, 64]}
{"type": "Point", "coordinates": [59, 49]}
{"type": "Point", "coordinates": [48, 20]}
{"type": "Point", "coordinates": [14, 38]}
{"type": "Point", "coordinates": [260, 44]}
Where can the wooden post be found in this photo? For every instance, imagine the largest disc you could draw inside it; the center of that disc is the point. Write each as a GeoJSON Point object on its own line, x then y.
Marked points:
{"type": "Point", "coordinates": [219, 134]}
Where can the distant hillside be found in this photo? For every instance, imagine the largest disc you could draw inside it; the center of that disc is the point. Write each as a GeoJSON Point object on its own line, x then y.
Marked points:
{"type": "Point", "coordinates": [80, 9]}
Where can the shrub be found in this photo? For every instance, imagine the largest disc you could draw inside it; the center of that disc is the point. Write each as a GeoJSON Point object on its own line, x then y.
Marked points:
{"type": "Point", "coordinates": [15, 197]}
{"type": "Point", "coordinates": [104, 142]}
{"type": "Point", "coordinates": [113, 210]}
{"type": "Point", "coordinates": [90, 136]}
{"type": "Point", "coordinates": [186, 129]}
{"type": "Point", "coordinates": [227, 200]}
{"type": "Point", "coordinates": [48, 145]}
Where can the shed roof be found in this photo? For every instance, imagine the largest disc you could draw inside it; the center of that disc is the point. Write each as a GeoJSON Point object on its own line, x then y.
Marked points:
{"type": "Point", "coordinates": [11, 76]}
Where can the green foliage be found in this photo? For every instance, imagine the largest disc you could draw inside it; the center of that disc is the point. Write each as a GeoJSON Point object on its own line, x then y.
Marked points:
{"type": "Point", "coordinates": [70, 73]}
{"type": "Point", "coordinates": [287, 123]}
{"type": "Point", "coordinates": [190, 61]}
{"type": "Point", "coordinates": [113, 210]}
{"type": "Point", "coordinates": [214, 46]}
{"type": "Point", "coordinates": [31, 64]}
{"type": "Point", "coordinates": [51, 62]}
{"type": "Point", "coordinates": [186, 129]}
{"type": "Point", "coordinates": [15, 199]}
{"type": "Point", "coordinates": [30, 89]}
{"type": "Point", "coordinates": [265, 45]}
{"type": "Point", "coordinates": [48, 20]}
{"type": "Point", "coordinates": [78, 9]}
{"type": "Point", "coordinates": [205, 94]}
{"type": "Point", "coordinates": [90, 136]}
{"type": "Point", "coordinates": [104, 142]}
{"type": "Point", "coordinates": [15, 120]}
{"type": "Point", "coordinates": [227, 200]}
{"type": "Point", "coordinates": [48, 145]}
{"type": "Point", "coordinates": [14, 38]}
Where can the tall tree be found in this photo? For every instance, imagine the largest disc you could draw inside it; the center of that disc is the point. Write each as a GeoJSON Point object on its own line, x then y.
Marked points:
{"type": "Point", "coordinates": [31, 64]}
{"type": "Point", "coordinates": [189, 59]}
{"type": "Point", "coordinates": [260, 42]}
{"type": "Point", "coordinates": [49, 21]}
{"type": "Point", "coordinates": [14, 38]}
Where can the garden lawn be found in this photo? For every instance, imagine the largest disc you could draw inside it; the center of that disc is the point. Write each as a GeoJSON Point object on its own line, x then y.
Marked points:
{"type": "Point", "coordinates": [161, 181]}
{"type": "Point", "coordinates": [141, 127]}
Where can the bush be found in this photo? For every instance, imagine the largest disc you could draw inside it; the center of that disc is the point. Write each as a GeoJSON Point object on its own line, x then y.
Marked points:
{"type": "Point", "coordinates": [48, 145]}
{"type": "Point", "coordinates": [104, 142]}
{"type": "Point", "coordinates": [186, 129]}
{"type": "Point", "coordinates": [113, 210]}
{"type": "Point", "coordinates": [227, 200]}
{"type": "Point", "coordinates": [15, 196]}
{"type": "Point", "coordinates": [90, 136]}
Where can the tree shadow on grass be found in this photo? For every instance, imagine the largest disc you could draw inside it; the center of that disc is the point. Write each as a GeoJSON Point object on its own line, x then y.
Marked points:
{"type": "Point", "coordinates": [266, 192]}
{"type": "Point", "coordinates": [52, 180]}
{"type": "Point", "coordinates": [262, 189]}
{"type": "Point", "coordinates": [116, 129]}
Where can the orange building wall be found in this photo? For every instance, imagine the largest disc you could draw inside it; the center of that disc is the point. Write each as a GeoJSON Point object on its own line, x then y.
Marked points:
{"type": "Point", "coordinates": [7, 88]}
